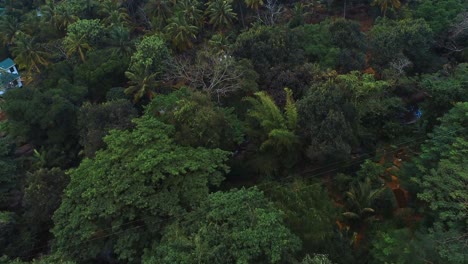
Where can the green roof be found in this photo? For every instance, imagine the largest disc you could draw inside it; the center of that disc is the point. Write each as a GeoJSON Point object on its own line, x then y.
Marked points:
{"type": "Point", "coordinates": [7, 63]}
{"type": "Point", "coordinates": [8, 77]}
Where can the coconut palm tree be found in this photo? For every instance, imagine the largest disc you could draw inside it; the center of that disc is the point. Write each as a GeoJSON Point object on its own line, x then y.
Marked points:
{"type": "Point", "coordinates": [159, 11]}
{"type": "Point", "coordinates": [274, 129]}
{"type": "Point", "coordinates": [141, 83]}
{"type": "Point", "coordinates": [63, 17]}
{"type": "Point", "coordinates": [74, 43]}
{"type": "Point", "coordinates": [180, 31]}
{"type": "Point", "coordinates": [28, 54]}
{"type": "Point", "coordinates": [113, 14]}
{"type": "Point", "coordinates": [361, 196]}
{"type": "Point", "coordinates": [220, 13]}
{"type": "Point", "coordinates": [30, 24]}
{"type": "Point", "coordinates": [192, 12]}
{"type": "Point", "coordinates": [120, 42]}
{"type": "Point", "coordinates": [9, 25]}
{"type": "Point", "coordinates": [384, 4]}
{"type": "Point", "coordinates": [254, 4]}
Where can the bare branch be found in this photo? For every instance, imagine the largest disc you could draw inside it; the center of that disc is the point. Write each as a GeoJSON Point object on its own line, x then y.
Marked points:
{"type": "Point", "coordinates": [215, 74]}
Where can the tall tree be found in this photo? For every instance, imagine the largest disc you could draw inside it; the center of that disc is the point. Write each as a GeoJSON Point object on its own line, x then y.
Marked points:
{"type": "Point", "coordinates": [328, 120]}
{"type": "Point", "coordinates": [28, 54]}
{"type": "Point", "coordinates": [82, 36]}
{"type": "Point", "coordinates": [95, 122]}
{"type": "Point", "coordinates": [7, 172]}
{"type": "Point", "coordinates": [274, 131]}
{"type": "Point", "coordinates": [199, 122]}
{"type": "Point", "coordinates": [153, 181]}
{"type": "Point", "coordinates": [180, 31]}
{"type": "Point", "coordinates": [220, 13]}
{"type": "Point", "coordinates": [239, 226]}
{"type": "Point", "coordinates": [442, 176]}
{"type": "Point", "coordinates": [254, 4]}
{"type": "Point", "coordinates": [9, 26]}
{"type": "Point", "coordinates": [151, 55]}
{"type": "Point", "coordinates": [385, 4]}
{"type": "Point", "coordinates": [141, 84]}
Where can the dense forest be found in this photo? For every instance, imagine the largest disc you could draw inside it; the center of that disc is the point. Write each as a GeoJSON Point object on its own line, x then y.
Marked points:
{"type": "Point", "coordinates": [234, 131]}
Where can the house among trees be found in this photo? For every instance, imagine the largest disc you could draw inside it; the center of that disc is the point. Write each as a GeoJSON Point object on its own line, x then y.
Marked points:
{"type": "Point", "coordinates": [9, 76]}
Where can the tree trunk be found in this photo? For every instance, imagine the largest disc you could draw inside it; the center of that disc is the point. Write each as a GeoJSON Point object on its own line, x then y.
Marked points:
{"type": "Point", "coordinates": [344, 9]}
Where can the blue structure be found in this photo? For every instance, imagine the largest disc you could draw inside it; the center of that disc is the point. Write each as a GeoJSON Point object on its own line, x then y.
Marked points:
{"type": "Point", "coordinates": [9, 76]}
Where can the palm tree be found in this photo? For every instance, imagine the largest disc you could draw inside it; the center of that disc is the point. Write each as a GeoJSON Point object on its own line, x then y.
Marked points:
{"type": "Point", "coordinates": [49, 15]}
{"type": "Point", "coordinates": [191, 11]}
{"type": "Point", "coordinates": [9, 25]}
{"type": "Point", "coordinates": [31, 24]}
{"type": "Point", "coordinates": [180, 31]}
{"type": "Point", "coordinates": [27, 53]}
{"type": "Point", "coordinates": [220, 13]}
{"type": "Point", "coordinates": [159, 10]}
{"type": "Point", "coordinates": [384, 4]}
{"type": "Point", "coordinates": [254, 4]}
{"type": "Point", "coordinates": [141, 83]}
{"type": "Point", "coordinates": [113, 14]}
{"type": "Point", "coordinates": [74, 43]}
{"type": "Point", "coordinates": [63, 17]}
{"type": "Point", "coordinates": [277, 132]}
{"type": "Point", "coordinates": [360, 199]}
{"type": "Point", "coordinates": [119, 40]}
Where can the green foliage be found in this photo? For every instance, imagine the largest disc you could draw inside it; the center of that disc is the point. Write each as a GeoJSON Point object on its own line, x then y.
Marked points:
{"type": "Point", "coordinates": [150, 56]}
{"type": "Point", "coordinates": [7, 228]}
{"type": "Point", "coordinates": [327, 118]}
{"type": "Point", "coordinates": [442, 174]}
{"type": "Point", "coordinates": [316, 259]}
{"type": "Point", "coordinates": [83, 35]}
{"type": "Point", "coordinates": [239, 226]}
{"type": "Point", "coordinates": [102, 70]}
{"type": "Point", "coordinates": [120, 41]}
{"type": "Point", "coordinates": [347, 36]}
{"type": "Point", "coordinates": [8, 176]}
{"type": "Point", "coordinates": [398, 246]}
{"type": "Point", "coordinates": [339, 112]}
{"type": "Point", "coordinates": [267, 47]}
{"type": "Point", "coordinates": [443, 165]}
{"type": "Point", "coordinates": [28, 54]}
{"type": "Point", "coordinates": [444, 89]}
{"type": "Point", "coordinates": [42, 196]}
{"type": "Point", "coordinates": [274, 131]}
{"type": "Point", "coordinates": [147, 65]}
{"type": "Point", "coordinates": [197, 120]}
{"type": "Point", "coordinates": [317, 43]}
{"type": "Point", "coordinates": [308, 212]}
{"type": "Point", "coordinates": [180, 31]}
{"type": "Point", "coordinates": [47, 119]}
{"type": "Point", "coordinates": [439, 14]}
{"type": "Point", "coordinates": [220, 13]}
{"type": "Point", "coordinates": [385, 4]}
{"type": "Point", "coordinates": [90, 29]}
{"type": "Point", "coordinates": [95, 121]}
{"type": "Point", "coordinates": [377, 109]}
{"type": "Point", "coordinates": [254, 4]}
{"type": "Point", "coordinates": [138, 182]}
{"type": "Point", "coordinates": [141, 85]}
{"type": "Point", "coordinates": [159, 11]}
{"type": "Point", "coordinates": [360, 199]}
{"type": "Point", "coordinates": [391, 41]}
{"type": "Point", "coordinates": [9, 26]}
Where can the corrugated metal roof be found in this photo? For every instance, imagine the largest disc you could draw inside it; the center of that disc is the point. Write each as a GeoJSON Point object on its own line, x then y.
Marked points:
{"type": "Point", "coordinates": [7, 63]}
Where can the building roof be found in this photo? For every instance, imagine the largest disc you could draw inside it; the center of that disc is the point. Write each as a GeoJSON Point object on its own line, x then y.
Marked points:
{"type": "Point", "coordinates": [7, 63]}
{"type": "Point", "coordinates": [9, 77]}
